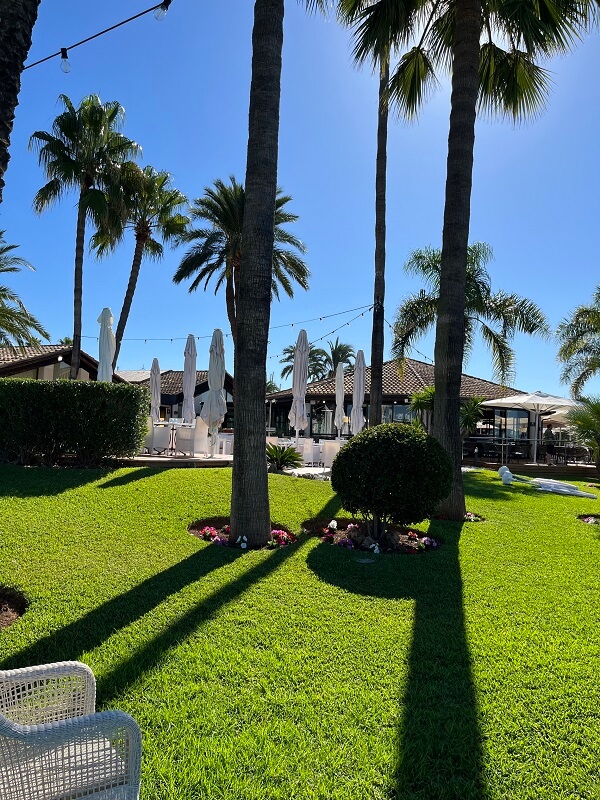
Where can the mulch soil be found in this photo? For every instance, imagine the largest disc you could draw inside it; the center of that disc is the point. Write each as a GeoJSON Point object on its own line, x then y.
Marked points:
{"type": "Point", "coordinates": [13, 605]}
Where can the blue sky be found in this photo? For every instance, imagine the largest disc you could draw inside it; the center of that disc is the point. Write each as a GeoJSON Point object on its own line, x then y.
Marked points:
{"type": "Point", "coordinates": [184, 83]}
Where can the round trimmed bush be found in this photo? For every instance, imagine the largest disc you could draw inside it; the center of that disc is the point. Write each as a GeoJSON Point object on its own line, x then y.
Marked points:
{"type": "Point", "coordinates": [392, 473]}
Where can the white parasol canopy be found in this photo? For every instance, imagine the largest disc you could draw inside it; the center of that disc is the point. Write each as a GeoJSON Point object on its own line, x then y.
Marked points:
{"type": "Point", "coordinates": [338, 420]}
{"type": "Point", "coordinates": [155, 391]}
{"type": "Point", "coordinates": [189, 379]}
{"type": "Point", "coordinates": [215, 406]}
{"type": "Point", "coordinates": [297, 415]}
{"type": "Point", "coordinates": [106, 347]}
{"type": "Point", "coordinates": [538, 403]}
{"type": "Point", "coordinates": [357, 419]}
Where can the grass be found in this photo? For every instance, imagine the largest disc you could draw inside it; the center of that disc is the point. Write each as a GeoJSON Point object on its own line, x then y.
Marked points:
{"type": "Point", "coordinates": [466, 673]}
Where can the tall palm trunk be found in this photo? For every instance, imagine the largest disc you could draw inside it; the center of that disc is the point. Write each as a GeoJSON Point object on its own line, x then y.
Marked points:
{"type": "Point", "coordinates": [449, 339]}
{"type": "Point", "coordinates": [78, 288]}
{"type": "Point", "coordinates": [17, 18]}
{"type": "Point", "coordinates": [376, 390]}
{"type": "Point", "coordinates": [230, 302]}
{"type": "Point", "coordinates": [140, 243]}
{"type": "Point", "coordinates": [250, 514]}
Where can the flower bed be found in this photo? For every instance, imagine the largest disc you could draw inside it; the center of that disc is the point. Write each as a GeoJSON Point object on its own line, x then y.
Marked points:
{"type": "Point", "coordinates": [354, 535]}
{"type": "Point", "coordinates": [217, 530]}
{"type": "Point", "coordinates": [590, 519]}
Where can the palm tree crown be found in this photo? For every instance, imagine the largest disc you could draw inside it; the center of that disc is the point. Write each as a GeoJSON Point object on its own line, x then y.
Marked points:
{"type": "Point", "coordinates": [216, 251]}
{"type": "Point", "coordinates": [495, 316]}
{"type": "Point", "coordinates": [339, 353]}
{"type": "Point", "coordinates": [83, 151]}
{"type": "Point", "coordinates": [17, 325]}
{"type": "Point", "coordinates": [579, 339]}
{"type": "Point", "coordinates": [146, 202]}
{"type": "Point", "coordinates": [317, 362]}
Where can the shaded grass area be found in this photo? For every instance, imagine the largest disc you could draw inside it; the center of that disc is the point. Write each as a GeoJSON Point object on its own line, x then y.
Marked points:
{"type": "Point", "coordinates": [310, 672]}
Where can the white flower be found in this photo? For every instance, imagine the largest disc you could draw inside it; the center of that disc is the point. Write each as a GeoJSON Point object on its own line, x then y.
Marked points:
{"type": "Point", "coordinates": [376, 550]}
{"type": "Point", "coordinates": [332, 525]}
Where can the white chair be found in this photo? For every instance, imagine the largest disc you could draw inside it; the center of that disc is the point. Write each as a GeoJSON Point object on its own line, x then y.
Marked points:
{"type": "Point", "coordinates": [52, 744]}
{"type": "Point", "coordinates": [272, 440]}
{"type": "Point", "coordinates": [330, 451]}
{"type": "Point", "coordinates": [193, 440]}
{"type": "Point", "coordinates": [162, 439]}
{"type": "Point", "coordinates": [311, 454]}
{"type": "Point", "coordinates": [148, 445]}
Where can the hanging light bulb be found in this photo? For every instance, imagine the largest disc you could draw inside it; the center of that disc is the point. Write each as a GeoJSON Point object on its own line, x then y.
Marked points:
{"type": "Point", "coordinates": [64, 60]}
{"type": "Point", "coordinates": [160, 12]}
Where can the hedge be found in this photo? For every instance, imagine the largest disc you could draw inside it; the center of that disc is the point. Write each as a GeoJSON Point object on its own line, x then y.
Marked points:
{"type": "Point", "coordinates": [77, 422]}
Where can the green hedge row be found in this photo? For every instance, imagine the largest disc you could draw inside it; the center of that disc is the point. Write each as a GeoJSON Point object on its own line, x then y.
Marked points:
{"type": "Point", "coordinates": [78, 422]}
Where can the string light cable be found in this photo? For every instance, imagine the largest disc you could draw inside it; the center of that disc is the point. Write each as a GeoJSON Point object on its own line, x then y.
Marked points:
{"type": "Point", "coordinates": [418, 352]}
{"type": "Point", "coordinates": [159, 10]}
{"type": "Point", "coordinates": [146, 339]}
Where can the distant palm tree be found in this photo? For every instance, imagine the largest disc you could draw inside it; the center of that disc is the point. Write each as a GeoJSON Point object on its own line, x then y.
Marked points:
{"type": "Point", "coordinates": [271, 385]}
{"type": "Point", "coordinates": [151, 208]}
{"type": "Point", "coordinates": [471, 409]}
{"type": "Point", "coordinates": [17, 325]}
{"type": "Point", "coordinates": [83, 152]}
{"type": "Point", "coordinates": [217, 250]}
{"type": "Point", "coordinates": [586, 419]}
{"type": "Point", "coordinates": [17, 19]}
{"type": "Point", "coordinates": [66, 341]}
{"type": "Point", "coordinates": [339, 353]}
{"type": "Point", "coordinates": [579, 339]}
{"type": "Point", "coordinates": [317, 362]}
{"type": "Point", "coordinates": [496, 317]}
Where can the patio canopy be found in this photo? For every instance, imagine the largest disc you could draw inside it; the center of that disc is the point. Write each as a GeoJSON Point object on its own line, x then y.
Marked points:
{"type": "Point", "coordinates": [538, 403]}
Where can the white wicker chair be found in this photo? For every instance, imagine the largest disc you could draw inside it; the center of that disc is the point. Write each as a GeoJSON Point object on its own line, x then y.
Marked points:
{"type": "Point", "coordinates": [52, 744]}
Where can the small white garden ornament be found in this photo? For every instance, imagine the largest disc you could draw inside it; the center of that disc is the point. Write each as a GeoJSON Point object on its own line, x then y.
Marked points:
{"type": "Point", "coordinates": [507, 478]}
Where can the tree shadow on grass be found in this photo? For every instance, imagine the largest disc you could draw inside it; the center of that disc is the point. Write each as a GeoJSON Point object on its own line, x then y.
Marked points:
{"type": "Point", "coordinates": [117, 681]}
{"type": "Point", "coordinates": [440, 753]}
{"type": "Point", "coordinates": [136, 474]}
{"type": "Point", "coordinates": [97, 625]}
{"type": "Point", "coordinates": [17, 481]}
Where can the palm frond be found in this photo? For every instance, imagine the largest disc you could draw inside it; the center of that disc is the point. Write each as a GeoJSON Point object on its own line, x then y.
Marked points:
{"type": "Point", "coordinates": [412, 82]}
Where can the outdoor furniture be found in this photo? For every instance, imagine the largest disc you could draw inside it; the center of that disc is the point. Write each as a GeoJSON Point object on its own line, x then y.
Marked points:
{"type": "Point", "coordinates": [330, 451]}
{"type": "Point", "coordinates": [162, 438]}
{"type": "Point", "coordinates": [192, 440]}
{"type": "Point", "coordinates": [224, 444]}
{"type": "Point", "coordinates": [148, 445]}
{"type": "Point", "coordinates": [52, 744]}
{"type": "Point", "coordinates": [311, 453]}
{"type": "Point", "coordinates": [272, 440]}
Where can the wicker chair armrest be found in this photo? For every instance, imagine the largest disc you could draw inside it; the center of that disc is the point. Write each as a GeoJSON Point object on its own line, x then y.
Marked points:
{"type": "Point", "coordinates": [47, 693]}
{"type": "Point", "coordinates": [102, 750]}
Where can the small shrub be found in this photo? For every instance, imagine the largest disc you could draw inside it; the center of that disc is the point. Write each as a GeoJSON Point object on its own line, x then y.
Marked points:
{"type": "Point", "coordinates": [280, 457]}
{"type": "Point", "coordinates": [391, 473]}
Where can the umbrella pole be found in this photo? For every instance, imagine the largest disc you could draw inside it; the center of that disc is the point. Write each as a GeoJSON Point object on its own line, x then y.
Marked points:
{"type": "Point", "coordinates": [535, 440]}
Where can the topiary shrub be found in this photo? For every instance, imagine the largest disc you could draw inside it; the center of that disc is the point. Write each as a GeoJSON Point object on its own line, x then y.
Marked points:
{"type": "Point", "coordinates": [391, 474]}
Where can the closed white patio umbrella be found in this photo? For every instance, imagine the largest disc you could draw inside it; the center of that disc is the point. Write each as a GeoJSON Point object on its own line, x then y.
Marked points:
{"type": "Point", "coordinates": [297, 414]}
{"type": "Point", "coordinates": [155, 391]}
{"type": "Point", "coordinates": [106, 346]}
{"type": "Point", "coordinates": [189, 379]}
{"type": "Point", "coordinates": [357, 419]}
{"type": "Point", "coordinates": [338, 420]}
{"type": "Point", "coordinates": [538, 403]}
{"type": "Point", "coordinates": [215, 406]}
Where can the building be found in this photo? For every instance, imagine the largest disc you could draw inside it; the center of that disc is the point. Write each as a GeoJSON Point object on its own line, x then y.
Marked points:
{"type": "Point", "coordinates": [397, 390]}
{"type": "Point", "coordinates": [46, 362]}
{"type": "Point", "coordinates": [171, 391]}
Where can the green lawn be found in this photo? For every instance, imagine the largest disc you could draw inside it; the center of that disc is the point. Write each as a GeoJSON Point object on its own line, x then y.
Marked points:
{"type": "Point", "coordinates": [468, 672]}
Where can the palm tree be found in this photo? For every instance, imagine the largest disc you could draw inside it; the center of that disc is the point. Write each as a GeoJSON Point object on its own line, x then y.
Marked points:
{"type": "Point", "coordinates": [151, 208]}
{"type": "Point", "coordinates": [17, 325]}
{"type": "Point", "coordinates": [339, 353]}
{"type": "Point", "coordinates": [317, 362]}
{"type": "Point", "coordinates": [471, 410]}
{"type": "Point", "coordinates": [82, 151]}
{"type": "Point", "coordinates": [374, 21]}
{"type": "Point", "coordinates": [217, 251]}
{"type": "Point", "coordinates": [579, 339]}
{"type": "Point", "coordinates": [586, 419]}
{"type": "Point", "coordinates": [491, 51]}
{"type": "Point", "coordinates": [493, 317]}
{"type": "Point", "coordinates": [271, 385]}
{"type": "Point", "coordinates": [17, 21]}
{"type": "Point", "coordinates": [66, 341]}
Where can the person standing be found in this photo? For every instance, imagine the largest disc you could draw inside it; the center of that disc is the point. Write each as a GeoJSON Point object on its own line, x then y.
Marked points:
{"type": "Point", "coordinates": [549, 438]}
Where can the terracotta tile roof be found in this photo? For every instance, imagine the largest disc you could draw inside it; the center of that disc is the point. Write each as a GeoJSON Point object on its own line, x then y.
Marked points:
{"type": "Point", "coordinates": [171, 380]}
{"type": "Point", "coordinates": [417, 375]}
{"type": "Point", "coordinates": [10, 356]}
